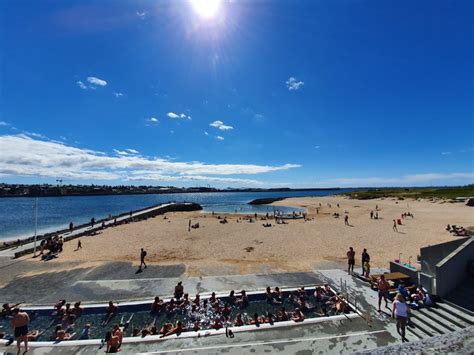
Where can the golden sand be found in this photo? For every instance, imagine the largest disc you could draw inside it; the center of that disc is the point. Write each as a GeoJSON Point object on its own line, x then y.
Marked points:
{"type": "Point", "coordinates": [245, 247]}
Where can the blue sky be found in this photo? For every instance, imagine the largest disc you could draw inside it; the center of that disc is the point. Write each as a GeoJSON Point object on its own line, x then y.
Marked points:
{"type": "Point", "coordinates": [263, 93]}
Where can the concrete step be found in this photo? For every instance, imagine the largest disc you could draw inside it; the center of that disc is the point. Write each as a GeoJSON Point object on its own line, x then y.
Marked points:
{"type": "Point", "coordinates": [456, 311]}
{"type": "Point", "coordinates": [417, 333]}
{"type": "Point", "coordinates": [449, 317]}
{"type": "Point", "coordinates": [428, 324]}
{"type": "Point", "coordinates": [463, 303]}
{"type": "Point", "coordinates": [443, 322]}
{"type": "Point", "coordinates": [420, 330]}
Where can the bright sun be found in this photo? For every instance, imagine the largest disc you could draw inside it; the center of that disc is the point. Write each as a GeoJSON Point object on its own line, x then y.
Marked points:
{"type": "Point", "coordinates": [206, 8]}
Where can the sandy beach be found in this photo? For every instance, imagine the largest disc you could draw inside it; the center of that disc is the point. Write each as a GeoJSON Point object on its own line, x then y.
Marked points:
{"type": "Point", "coordinates": [243, 247]}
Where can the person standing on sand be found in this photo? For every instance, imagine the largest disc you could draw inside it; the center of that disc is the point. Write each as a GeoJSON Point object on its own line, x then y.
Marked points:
{"type": "Point", "coordinates": [395, 226]}
{"type": "Point", "coordinates": [346, 220]}
{"type": "Point", "coordinates": [350, 260]}
{"type": "Point", "coordinates": [71, 227]}
{"type": "Point", "coordinates": [371, 214]}
{"type": "Point", "coordinates": [20, 323]}
{"type": "Point", "coordinates": [189, 226]}
{"type": "Point", "coordinates": [142, 258]}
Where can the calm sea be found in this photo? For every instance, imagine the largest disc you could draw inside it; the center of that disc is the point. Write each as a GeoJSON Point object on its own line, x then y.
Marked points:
{"type": "Point", "coordinates": [17, 214]}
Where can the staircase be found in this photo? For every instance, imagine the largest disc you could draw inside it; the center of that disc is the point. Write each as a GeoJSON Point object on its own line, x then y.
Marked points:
{"type": "Point", "coordinates": [444, 318]}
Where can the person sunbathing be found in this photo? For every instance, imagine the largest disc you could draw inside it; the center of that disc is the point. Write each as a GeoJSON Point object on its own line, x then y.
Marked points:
{"type": "Point", "coordinates": [175, 330]}
{"type": "Point", "coordinates": [282, 314]}
{"type": "Point", "coordinates": [256, 320]}
{"type": "Point", "coordinates": [238, 320]}
{"type": "Point", "coordinates": [166, 328]}
{"type": "Point", "coordinates": [217, 324]}
{"type": "Point", "coordinates": [297, 315]}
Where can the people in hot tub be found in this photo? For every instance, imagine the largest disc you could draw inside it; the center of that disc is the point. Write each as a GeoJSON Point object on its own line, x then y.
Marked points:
{"type": "Point", "coordinates": [110, 311]}
{"type": "Point", "coordinates": [277, 294]}
{"type": "Point", "coordinates": [157, 305]}
{"type": "Point", "coordinates": [297, 315]}
{"type": "Point", "coordinates": [231, 299]}
{"type": "Point", "coordinates": [185, 301]}
{"type": "Point", "coordinates": [179, 290]}
{"type": "Point", "coordinates": [77, 310]}
{"type": "Point", "coordinates": [179, 328]}
{"type": "Point", "coordinates": [256, 320]}
{"type": "Point", "coordinates": [270, 296]}
{"type": "Point", "coordinates": [238, 320]}
{"type": "Point", "coordinates": [243, 300]}
{"type": "Point", "coordinates": [282, 314]}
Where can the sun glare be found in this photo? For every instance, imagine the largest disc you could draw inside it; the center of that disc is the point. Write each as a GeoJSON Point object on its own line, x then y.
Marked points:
{"type": "Point", "coordinates": [206, 8]}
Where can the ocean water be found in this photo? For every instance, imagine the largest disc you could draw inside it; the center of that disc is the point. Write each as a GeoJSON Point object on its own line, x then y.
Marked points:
{"type": "Point", "coordinates": [54, 213]}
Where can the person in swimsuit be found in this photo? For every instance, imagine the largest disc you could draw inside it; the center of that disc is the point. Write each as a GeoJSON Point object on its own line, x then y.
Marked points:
{"type": "Point", "coordinates": [383, 287]}
{"type": "Point", "coordinates": [19, 324]}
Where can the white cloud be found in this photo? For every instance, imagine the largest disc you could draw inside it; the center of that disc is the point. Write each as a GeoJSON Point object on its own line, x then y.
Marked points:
{"type": "Point", "coordinates": [118, 94]}
{"type": "Point", "coordinates": [132, 151]}
{"type": "Point", "coordinates": [153, 120]}
{"type": "Point", "coordinates": [121, 152]}
{"type": "Point", "coordinates": [208, 179]}
{"type": "Point", "coordinates": [81, 85]}
{"type": "Point", "coordinates": [96, 81]}
{"type": "Point", "coordinates": [4, 124]}
{"type": "Point", "coordinates": [445, 153]}
{"type": "Point", "coordinates": [220, 138]}
{"type": "Point", "coordinates": [220, 125]}
{"type": "Point", "coordinates": [205, 132]}
{"type": "Point", "coordinates": [293, 84]}
{"type": "Point", "coordinates": [21, 155]}
{"type": "Point", "coordinates": [176, 115]}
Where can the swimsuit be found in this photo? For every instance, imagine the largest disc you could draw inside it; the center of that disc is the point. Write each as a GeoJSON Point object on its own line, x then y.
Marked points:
{"type": "Point", "coordinates": [21, 331]}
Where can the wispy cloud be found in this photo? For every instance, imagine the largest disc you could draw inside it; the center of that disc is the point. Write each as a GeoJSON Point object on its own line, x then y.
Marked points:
{"type": "Point", "coordinates": [445, 153]}
{"type": "Point", "coordinates": [317, 147]}
{"type": "Point", "coordinates": [141, 14]}
{"type": "Point", "coordinates": [126, 152]}
{"type": "Point", "coordinates": [21, 155]}
{"type": "Point", "coordinates": [293, 84]}
{"type": "Point", "coordinates": [220, 138]}
{"type": "Point", "coordinates": [4, 124]}
{"type": "Point", "coordinates": [152, 121]}
{"type": "Point", "coordinates": [118, 94]}
{"type": "Point", "coordinates": [132, 151]}
{"type": "Point", "coordinates": [176, 115]}
{"type": "Point", "coordinates": [206, 133]}
{"type": "Point", "coordinates": [96, 81]}
{"type": "Point", "coordinates": [81, 85]}
{"type": "Point", "coordinates": [220, 125]}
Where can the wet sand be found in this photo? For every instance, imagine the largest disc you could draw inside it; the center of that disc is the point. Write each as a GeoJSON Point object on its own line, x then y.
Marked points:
{"type": "Point", "coordinates": [243, 247]}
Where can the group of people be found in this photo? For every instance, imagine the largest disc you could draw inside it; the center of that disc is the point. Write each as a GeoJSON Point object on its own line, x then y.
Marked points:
{"type": "Point", "coordinates": [53, 244]}
{"type": "Point", "coordinates": [365, 262]}
{"type": "Point", "coordinates": [457, 231]}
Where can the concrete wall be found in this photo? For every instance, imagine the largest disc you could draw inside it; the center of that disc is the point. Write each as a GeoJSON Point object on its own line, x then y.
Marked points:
{"type": "Point", "coordinates": [427, 281]}
{"type": "Point", "coordinates": [451, 271]}
{"type": "Point", "coordinates": [433, 254]}
{"type": "Point", "coordinates": [396, 267]}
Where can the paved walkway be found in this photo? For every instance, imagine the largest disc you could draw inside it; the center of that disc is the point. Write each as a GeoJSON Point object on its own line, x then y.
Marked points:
{"type": "Point", "coordinates": [10, 252]}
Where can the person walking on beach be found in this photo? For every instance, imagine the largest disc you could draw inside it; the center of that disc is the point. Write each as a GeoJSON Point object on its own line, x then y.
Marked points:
{"type": "Point", "coordinates": [142, 258]}
{"type": "Point", "coordinates": [400, 313]}
{"type": "Point", "coordinates": [92, 222]}
{"type": "Point", "coordinates": [371, 214]}
{"type": "Point", "coordinates": [395, 226]}
{"type": "Point", "coordinates": [350, 260]}
{"type": "Point", "coordinates": [20, 323]}
{"type": "Point", "coordinates": [79, 245]}
{"type": "Point", "coordinates": [346, 220]}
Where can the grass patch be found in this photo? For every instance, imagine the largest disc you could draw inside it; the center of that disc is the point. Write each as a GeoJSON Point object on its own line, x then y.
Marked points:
{"type": "Point", "coordinates": [414, 192]}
